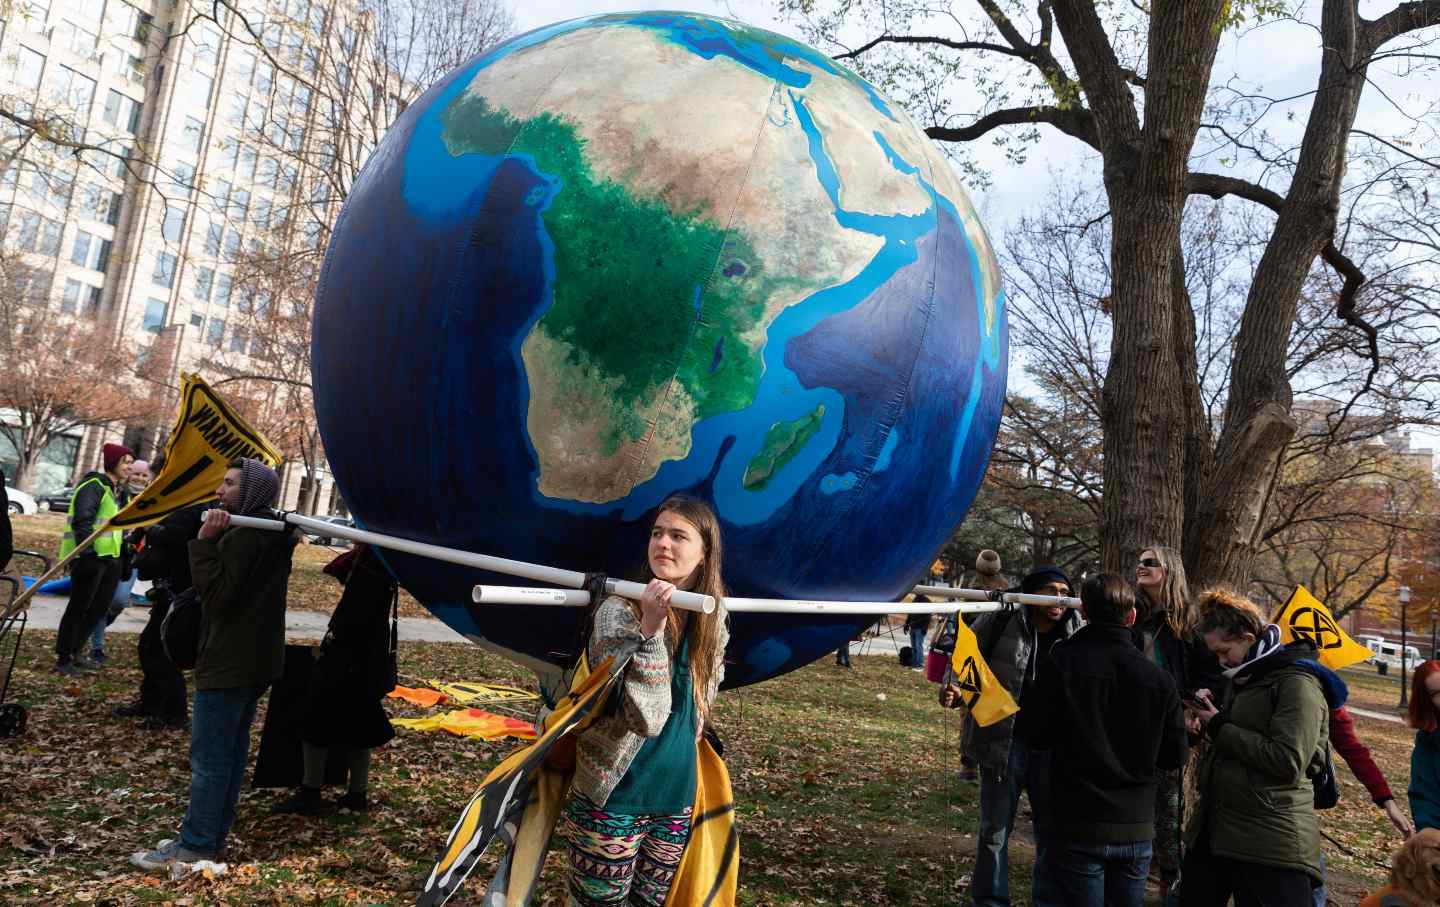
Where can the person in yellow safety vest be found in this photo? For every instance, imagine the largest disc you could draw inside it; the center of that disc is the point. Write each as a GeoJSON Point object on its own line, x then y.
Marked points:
{"type": "Point", "coordinates": [95, 572]}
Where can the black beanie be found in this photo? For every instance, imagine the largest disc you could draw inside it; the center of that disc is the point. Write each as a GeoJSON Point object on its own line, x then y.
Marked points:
{"type": "Point", "coordinates": [1043, 576]}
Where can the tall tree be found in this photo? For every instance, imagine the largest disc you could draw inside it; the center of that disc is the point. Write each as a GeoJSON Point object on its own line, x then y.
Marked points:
{"type": "Point", "coordinates": [1134, 84]}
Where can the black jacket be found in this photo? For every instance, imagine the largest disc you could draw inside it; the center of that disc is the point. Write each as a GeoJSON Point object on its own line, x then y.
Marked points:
{"type": "Point", "coordinates": [7, 539]}
{"type": "Point", "coordinates": [1190, 664]}
{"type": "Point", "coordinates": [353, 673]}
{"type": "Point", "coordinates": [166, 555]}
{"type": "Point", "coordinates": [1111, 720]}
{"type": "Point", "coordinates": [86, 507]}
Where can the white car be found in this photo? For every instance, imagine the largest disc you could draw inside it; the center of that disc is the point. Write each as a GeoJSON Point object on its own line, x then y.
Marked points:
{"type": "Point", "coordinates": [20, 502]}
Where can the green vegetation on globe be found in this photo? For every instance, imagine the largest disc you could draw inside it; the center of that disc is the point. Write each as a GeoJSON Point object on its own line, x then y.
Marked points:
{"type": "Point", "coordinates": [782, 442]}
{"type": "Point", "coordinates": [652, 302]}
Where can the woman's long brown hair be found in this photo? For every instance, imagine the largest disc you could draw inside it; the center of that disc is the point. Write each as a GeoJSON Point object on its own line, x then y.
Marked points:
{"type": "Point", "coordinates": [702, 630]}
{"type": "Point", "coordinates": [1174, 601]}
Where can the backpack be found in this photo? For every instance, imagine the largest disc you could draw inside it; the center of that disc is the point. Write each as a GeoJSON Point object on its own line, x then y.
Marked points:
{"type": "Point", "coordinates": [1323, 781]}
{"type": "Point", "coordinates": [180, 630]}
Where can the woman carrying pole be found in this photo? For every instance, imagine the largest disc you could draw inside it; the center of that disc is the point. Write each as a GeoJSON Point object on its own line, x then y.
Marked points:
{"type": "Point", "coordinates": [629, 813]}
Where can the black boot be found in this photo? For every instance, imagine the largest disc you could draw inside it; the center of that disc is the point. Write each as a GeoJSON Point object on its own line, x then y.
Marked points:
{"type": "Point", "coordinates": [354, 800]}
{"type": "Point", "coordinates": [304, 802]}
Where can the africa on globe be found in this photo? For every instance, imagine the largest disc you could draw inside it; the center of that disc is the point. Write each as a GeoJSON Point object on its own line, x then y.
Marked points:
{"type": "Point", "coordinates": [627, 256]}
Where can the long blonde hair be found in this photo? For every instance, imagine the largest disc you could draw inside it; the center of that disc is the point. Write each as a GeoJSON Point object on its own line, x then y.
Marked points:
{"type": "Point", "coordinates": [702, 630]}
{"type": "Point", "coordinates": [1174, 598]}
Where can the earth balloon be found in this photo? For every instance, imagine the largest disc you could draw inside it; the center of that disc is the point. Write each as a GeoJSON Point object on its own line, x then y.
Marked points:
{"type": "Point", "coordinates": [634, 255]}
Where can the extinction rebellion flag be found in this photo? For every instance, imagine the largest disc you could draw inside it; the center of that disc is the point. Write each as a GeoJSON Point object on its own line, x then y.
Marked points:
{"type": "Point", "coordinates": [207, 435]}
{"type": "Point", "coordinates": [1305, 617]}
{"type": "Point", "coordinates": [980, 690]}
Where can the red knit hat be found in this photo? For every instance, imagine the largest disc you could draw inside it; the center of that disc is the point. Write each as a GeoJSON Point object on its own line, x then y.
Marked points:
{"type": "Point", "coordinates": [112, 454]}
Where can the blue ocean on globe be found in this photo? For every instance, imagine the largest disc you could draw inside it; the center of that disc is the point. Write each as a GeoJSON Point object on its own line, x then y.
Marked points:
{"type": "Point", "coordinates": [634, 255]}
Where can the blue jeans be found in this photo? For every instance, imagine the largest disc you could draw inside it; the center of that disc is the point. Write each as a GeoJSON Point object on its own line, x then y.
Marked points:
{"type": "Point", "coordinates": [917, 647]}
{"type": "Point", "coordinates": [1320, 892]}
{"type": "Point", "coordinates": [1088, 874]}
{"type": "Point", "coordinates": [999, 801]}
{"type": "Point", "coordinates": [122, 599]}
{"type": "Point", "coordinates": [219, 745]}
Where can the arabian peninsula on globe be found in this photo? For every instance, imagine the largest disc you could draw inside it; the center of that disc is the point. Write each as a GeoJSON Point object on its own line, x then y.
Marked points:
{"type": "Point", "coordinates": [627, 256]}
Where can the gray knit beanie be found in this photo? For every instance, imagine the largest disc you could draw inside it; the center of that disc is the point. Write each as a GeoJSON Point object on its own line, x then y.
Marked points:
{"type": "Point", "coordinates": [259, 485]}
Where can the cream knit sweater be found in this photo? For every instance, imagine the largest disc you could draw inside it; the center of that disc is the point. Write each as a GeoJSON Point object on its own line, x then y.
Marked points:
{"type": "Point", "coordinates": [607, 748]}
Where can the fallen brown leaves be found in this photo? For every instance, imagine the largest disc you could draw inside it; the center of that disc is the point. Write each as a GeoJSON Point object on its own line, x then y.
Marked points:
{"type": "Point", "coordinates": [841, 798]}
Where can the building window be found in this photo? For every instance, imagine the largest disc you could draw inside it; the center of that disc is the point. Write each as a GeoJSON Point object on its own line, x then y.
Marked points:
{"type": "Point", "coordinates": [118, 166]}
{"type": "Point", "coordinates": [196, 320]}
{"type": "Point", "coordinates": [260, 213]}
{"type": "Point", "coordinates": [214, 331]}
{"type": "Point", "coordinates": [193, 134]}
{"type": "Point", "coordinates": [70, 301]}
{"type": "Point", "coordinates": [154, 315]}
{"type": "Point", "coordinates": [213, 235]}
{"type": "Point", "coordinates": [123, 112]}
{"type": "Point", "coordinates": [164, 270]}
{"type": "Point", "coordinates": [198, 89]}
{"type": "Point", "coordinates": [238, 341]}
{"type": "Point", "coordinates": [73, 89]}
{"type": "Point", "coordinates": [182, 180]}
{"type": "Point", "coordinates": [240, 204]}
{"type": "Point", "coordinates": [90, 252]}
{"type": "Point", "coordinates": [29, 66]}
{"type": "Point", "coordinates": [232, 245]}
{"type": "Point", "coordinates": [221, 296]}
{"type": "Point", "coordinates": [207, 45]}
{"type": "Point", "coordinates": [204, 282]}
{"type": "Point", "coordinates": [172, 227]}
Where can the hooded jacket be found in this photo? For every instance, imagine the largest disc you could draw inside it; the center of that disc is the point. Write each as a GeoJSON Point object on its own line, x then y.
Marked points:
{"type": "Point", "coordinates": [242, 578]}
{"type": "Point", "coordinates": [1011, 658]}
{"type": "Point", "coordinates": [1257, 802]}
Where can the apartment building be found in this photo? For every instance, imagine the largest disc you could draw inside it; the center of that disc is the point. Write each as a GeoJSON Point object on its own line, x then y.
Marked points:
{"type": "Point", "coordinates": [201, 163]}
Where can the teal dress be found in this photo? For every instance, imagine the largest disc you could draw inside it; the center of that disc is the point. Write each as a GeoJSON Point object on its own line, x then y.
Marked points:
{"type": "Point", "coordinates": [661, 779]}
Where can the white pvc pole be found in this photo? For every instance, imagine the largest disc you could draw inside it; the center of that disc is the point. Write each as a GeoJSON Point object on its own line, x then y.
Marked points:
{"type": "Point", "coordinates": [980, 595]}
{"type": "Point", "coordinates": [525, 595]}
{"type": "Point", "coordinates": [530, 595]}
{"type": "Point", "coordinates": [690, 601]}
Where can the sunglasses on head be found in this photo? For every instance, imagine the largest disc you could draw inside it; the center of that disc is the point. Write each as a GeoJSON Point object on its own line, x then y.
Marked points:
{"type": "Point", "coordinates": [1149, 562]}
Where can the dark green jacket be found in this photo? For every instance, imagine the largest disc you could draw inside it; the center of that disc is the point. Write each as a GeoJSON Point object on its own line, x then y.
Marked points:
{"type": "Point", "coordinates": [242, 579]}
{"type": "Point", "coordinates": [1257, 803]}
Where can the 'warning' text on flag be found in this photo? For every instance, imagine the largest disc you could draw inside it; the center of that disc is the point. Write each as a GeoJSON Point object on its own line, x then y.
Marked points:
{"type": "Point", "coordinates": [207, 435]}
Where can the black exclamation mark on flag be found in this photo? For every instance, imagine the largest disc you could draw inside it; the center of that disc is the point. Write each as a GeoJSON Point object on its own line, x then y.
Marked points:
{"type": "Point", "coordinates": [180, 481]}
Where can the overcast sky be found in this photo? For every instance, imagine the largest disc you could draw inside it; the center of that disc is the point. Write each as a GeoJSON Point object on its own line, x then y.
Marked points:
{"type": "Point", "coordinates": [1279, 59]}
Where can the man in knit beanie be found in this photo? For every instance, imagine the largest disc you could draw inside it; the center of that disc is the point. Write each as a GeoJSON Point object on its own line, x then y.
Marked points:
{"type": "Point", "coordinates": [242, 577]}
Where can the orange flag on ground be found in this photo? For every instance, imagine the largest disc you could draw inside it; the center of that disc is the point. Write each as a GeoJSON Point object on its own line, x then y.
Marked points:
{"type": "Point", "coordinates": [471, 723]}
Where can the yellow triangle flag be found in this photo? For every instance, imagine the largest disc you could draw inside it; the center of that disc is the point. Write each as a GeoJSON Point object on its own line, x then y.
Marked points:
{"type": "Point", "coordinates": [980, 690]}
{"type": "Point", "coordinates": [1306, 617]}
{"type": "Point", "coordinates": [207, 435]}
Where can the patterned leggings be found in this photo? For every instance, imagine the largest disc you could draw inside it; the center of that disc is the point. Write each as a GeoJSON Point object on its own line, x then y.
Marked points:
{"type": "Point", "coordinates": [622, 859]}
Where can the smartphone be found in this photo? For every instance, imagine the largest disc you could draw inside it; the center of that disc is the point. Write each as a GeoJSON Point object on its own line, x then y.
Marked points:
{"type": "Point", "coordinates": [1189, 697]}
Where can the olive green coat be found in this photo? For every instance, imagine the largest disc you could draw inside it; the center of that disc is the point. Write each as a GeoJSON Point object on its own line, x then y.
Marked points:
{"type": "Point", "coordinates": [1257, 803]}
{"type": "Point", "coordinates": [242, 578]}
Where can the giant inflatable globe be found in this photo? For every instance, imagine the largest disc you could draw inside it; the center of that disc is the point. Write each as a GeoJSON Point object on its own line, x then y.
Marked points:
{"type": "Point", "coordinates": [633, 255]}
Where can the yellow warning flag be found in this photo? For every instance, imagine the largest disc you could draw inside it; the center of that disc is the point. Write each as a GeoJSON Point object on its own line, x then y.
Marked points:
{"type": "Point", "coordinates": [207, 435]}
{"type": "Point", "coordinates": [1306, 617]}
{"type": "Point", "coordinates": [981, 692]}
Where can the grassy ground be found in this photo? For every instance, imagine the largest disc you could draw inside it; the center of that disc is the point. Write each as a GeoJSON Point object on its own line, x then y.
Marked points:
{"type": "Point", "coordinates": [845, 783]}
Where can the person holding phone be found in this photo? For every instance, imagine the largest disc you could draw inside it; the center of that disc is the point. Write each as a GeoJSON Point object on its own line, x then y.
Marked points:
{"type": "Point", "coordinates": [1253, 833]}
